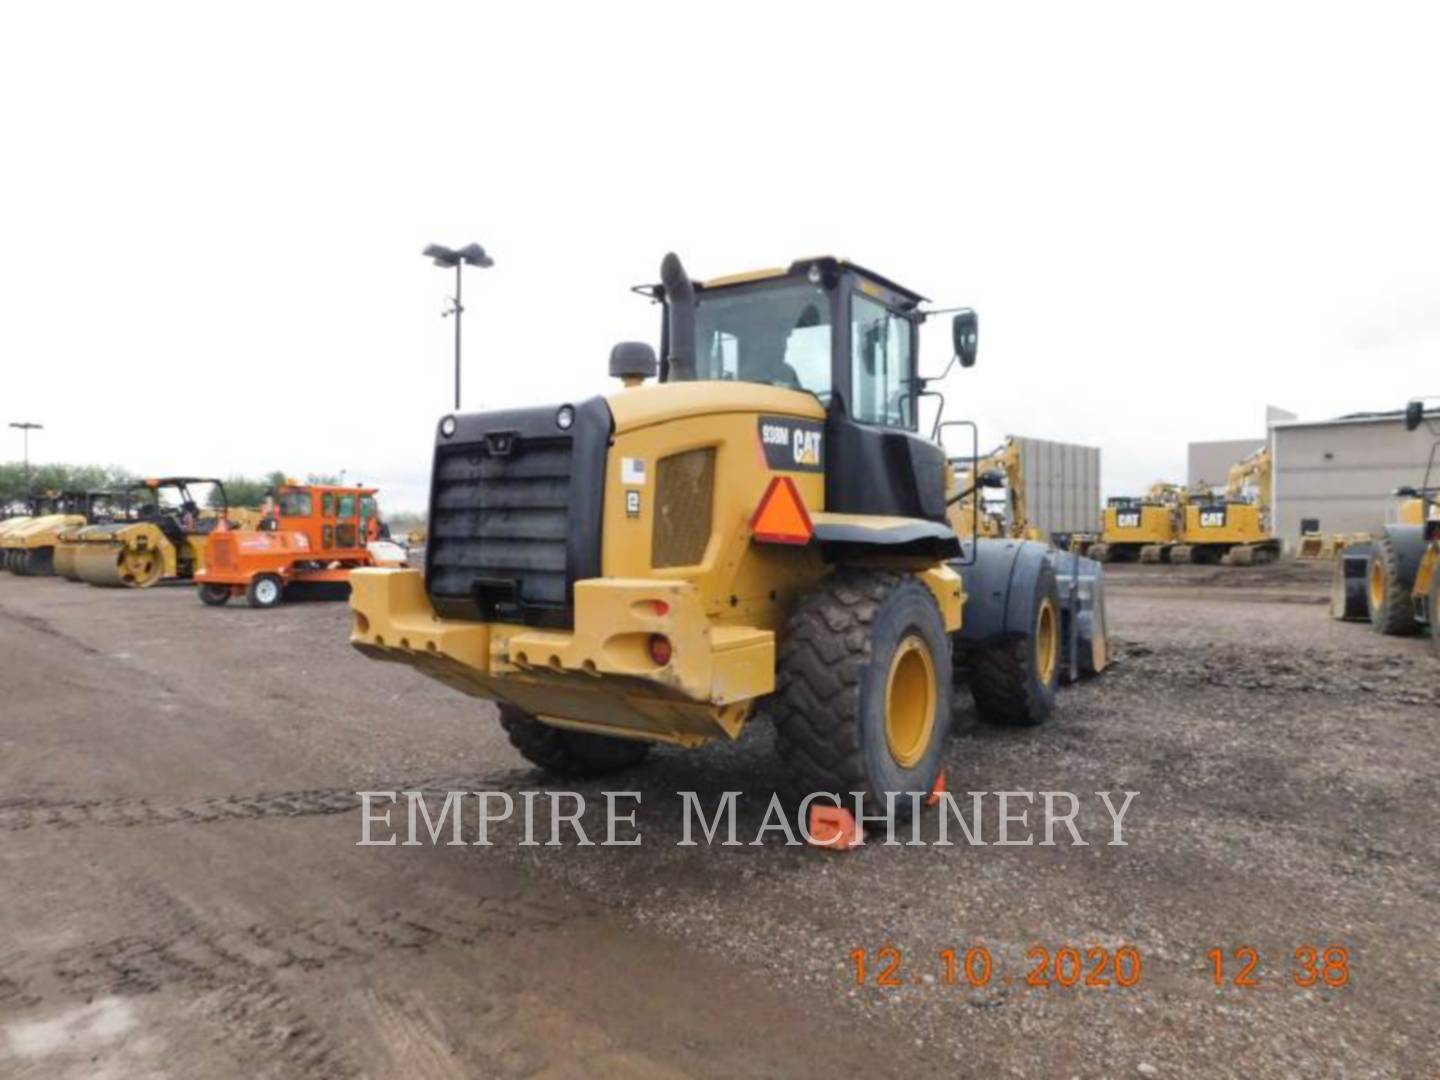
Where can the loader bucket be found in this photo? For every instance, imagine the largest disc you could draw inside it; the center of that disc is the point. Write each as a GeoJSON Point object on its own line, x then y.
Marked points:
{"type": "Point", "coordinates": [1086, 640]}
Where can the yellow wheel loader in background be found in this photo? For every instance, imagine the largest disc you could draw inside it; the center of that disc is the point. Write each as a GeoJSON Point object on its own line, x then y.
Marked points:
{"type": "Point", "coordinates": [762, 532]}
{"type": "Point", "coordinates": [1235, 526]}
{"type": "Point", "coordinates": [1392, 580]}
{"type": "Point", "coordinates": [161, 537]}
{"type": "Point", "coordinates": [1146, 528]}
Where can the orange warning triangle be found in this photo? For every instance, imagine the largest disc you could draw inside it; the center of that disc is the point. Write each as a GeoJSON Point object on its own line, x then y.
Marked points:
{"type": "Point", "coordinates": [781, 517]}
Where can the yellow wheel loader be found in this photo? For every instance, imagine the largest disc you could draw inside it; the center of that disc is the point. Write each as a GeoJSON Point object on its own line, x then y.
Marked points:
{"type": "Point", "coordinates": [763, 531]}
{"type": "Point", "coordinates": [162, 535]}
{"type": "Point", "coordinates": [1392, 580]}
{"type": "Point", "coordinates": [1234, 526]}
{"type": "Point", "coordinates": [1146, 528]}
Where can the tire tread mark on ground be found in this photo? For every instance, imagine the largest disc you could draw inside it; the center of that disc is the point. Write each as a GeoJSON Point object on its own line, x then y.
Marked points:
{"type": "Point", "coordinates": [26, 813]}
{"type": "Point", "coordinates": [44, 626]}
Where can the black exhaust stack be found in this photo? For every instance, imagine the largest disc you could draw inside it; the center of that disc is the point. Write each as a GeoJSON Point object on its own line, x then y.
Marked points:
{"type": "Point", "coordinates": [680, 310]}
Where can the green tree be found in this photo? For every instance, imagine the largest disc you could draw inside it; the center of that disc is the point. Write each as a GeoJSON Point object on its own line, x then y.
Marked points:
{"type": "Point", "coordinates": [248, 490]}
{"type": "Point", "coordinates": [57, 477]}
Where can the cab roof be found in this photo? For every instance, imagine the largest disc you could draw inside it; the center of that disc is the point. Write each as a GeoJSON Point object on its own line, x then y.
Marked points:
{"type": "Point", "coordinates": [166, 481]}
{"type": "Point", "coordinates": [800, 266]}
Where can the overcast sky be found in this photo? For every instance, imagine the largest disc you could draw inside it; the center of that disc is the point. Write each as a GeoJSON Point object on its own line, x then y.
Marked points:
{"type": "Point", "coordinates": [211, 218]}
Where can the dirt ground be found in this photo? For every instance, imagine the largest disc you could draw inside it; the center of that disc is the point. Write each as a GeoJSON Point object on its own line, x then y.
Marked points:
{"type": "Point", "coordinates": [181, 893]}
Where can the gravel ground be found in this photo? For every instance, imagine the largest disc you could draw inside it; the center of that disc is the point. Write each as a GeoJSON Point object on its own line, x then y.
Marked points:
{"type": "Point", "coordinates": [182, 894]}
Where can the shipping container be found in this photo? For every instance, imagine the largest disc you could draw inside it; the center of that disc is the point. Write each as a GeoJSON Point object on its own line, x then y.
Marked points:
{"type": "Point", "coordinates": [1062, 485]}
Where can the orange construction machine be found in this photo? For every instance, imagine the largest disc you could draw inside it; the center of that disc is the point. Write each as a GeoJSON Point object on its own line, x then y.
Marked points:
{"type": "Point", "coordinates": [309, 535]}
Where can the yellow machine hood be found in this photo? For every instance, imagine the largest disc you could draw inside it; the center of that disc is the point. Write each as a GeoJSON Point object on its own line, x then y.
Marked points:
{"type": "Point", "coordinates": [658, 403]}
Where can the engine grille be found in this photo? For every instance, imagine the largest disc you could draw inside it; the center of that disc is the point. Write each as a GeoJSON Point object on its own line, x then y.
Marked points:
{"type": "Point", "coordinates": [684, 498]}
{"type": "Point", "coordinates": [220, 551]}
{"type": "Point", "coordinates": [516, 506]}
{"type": "Point", "coordinates": [502, 519]}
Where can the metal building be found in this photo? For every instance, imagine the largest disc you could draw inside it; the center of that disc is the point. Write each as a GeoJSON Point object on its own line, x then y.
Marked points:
{"type": "Point", "coordinates": [1340, 475]}
{"type": "Point", "coordinates": [1062, 485]}
{"type": "Point", "coordinates": [1207, 464]}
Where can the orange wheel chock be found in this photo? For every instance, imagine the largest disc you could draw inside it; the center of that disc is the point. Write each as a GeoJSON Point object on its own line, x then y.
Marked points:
{"type": "Point", "coordinates": [833, 828]}
{"type": "Point", "coordinates": [933, 799]}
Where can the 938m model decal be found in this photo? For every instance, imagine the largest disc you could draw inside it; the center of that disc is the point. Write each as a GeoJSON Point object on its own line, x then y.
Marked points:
{"type": "Point", "coordinates": [792, 445]}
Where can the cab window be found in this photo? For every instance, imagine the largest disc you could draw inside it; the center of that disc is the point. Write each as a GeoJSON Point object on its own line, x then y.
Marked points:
{"type": "Point", "coordinates": [776, 334]}
{"type": "Point", "coordinates": [347, 507]}
{"type": "Point", "coordinates": [328, 502]}
{"type": "Point", "coordinates": [295, 504]}
{"type": "Point", "coordinates": [882, 347]}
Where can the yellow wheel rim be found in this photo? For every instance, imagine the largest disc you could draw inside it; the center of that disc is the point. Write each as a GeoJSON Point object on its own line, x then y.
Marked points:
{"type": "Point", "coordinates": [910, 702]}
{"type": "Point", "coordinates": [1377, 585]}
{"type": "Point", "coordinates": [1047, 642]}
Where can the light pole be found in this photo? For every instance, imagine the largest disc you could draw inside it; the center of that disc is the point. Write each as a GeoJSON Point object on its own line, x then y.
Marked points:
{"type": "Point", "coordinates": [26, 428]}
{"type": "Point", "coordinates": [472, 255]}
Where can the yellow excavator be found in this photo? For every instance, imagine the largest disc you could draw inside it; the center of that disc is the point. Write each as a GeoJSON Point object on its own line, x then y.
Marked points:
{"type": "Point", "coordinates": [1145, 528]}
{"type": "Point", "coordinates": [976, 512]}
{"type": "Point", "coordinates": [764, 531]}
{"type": "Point", "coordinates": [1235, 526]}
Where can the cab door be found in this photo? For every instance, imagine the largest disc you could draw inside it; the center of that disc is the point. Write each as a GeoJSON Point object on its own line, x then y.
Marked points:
{"type": "Point", "coordinates": [347, 513]}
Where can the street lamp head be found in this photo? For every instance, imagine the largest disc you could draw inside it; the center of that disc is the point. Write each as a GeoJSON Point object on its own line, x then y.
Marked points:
{"type": "Point", "coordinates": [442, 255]}
{"type": "Point", "coordinates": [474, 255]}
{"type": "Point", "coordinates": [470, 255]}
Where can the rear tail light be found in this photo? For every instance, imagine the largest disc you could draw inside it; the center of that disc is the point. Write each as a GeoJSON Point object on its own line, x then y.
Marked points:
{"type": "Point", "coordinates": [660, 650]}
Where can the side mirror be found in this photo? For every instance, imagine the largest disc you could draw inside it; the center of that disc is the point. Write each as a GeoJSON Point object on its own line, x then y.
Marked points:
{"type": "Point", "coordinates": [633, 362]}
{"type": "Point", "coordinates": [965, 333]}
{"type": "Point", "coordinates": [1414, 414]}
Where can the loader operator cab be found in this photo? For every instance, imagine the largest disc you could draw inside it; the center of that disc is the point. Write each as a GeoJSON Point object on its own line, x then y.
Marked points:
{"type": "Point", "coordinates": [822, 326]}
{"type": "Point", "coordinates": [841, 333]}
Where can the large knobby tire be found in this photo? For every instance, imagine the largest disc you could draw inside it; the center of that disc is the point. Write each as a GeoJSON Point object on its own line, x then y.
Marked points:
{"type": "Point", "coordinates": [1386, 594]}
{"type": "Point", "coordinates": [863, 688]}
{"type": "Point", "coordinates": [569, 753]}
{"type": "Point", "coordinates": [1014, 682]}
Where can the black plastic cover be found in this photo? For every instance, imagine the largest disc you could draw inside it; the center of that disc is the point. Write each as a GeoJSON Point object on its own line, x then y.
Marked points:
{"type": "Point", "coordinates": [878, 470]}
{"type": "Point", "coordinates": [516, 504]}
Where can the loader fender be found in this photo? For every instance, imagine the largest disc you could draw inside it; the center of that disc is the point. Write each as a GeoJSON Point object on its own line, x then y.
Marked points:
{"type": "Point", "coordinates": [1001, 577]}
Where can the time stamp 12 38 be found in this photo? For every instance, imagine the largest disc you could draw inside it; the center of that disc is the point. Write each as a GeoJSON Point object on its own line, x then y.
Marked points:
{"type": "Point", "coordinates": [1096, 968]}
